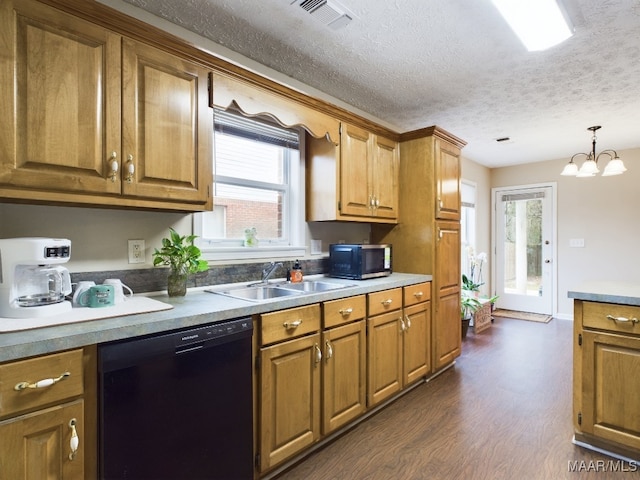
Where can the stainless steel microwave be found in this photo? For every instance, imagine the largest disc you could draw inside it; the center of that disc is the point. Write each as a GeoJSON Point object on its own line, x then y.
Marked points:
{"type": "Point", "coordinates": [359, 261]}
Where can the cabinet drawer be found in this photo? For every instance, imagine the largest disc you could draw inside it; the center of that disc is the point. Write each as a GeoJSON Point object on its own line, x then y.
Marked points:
{"type": "Point", "coordinates": [418, 293]}
{"type": "Point", "coordinates": [33, 370]}
{"type": "Point", "coordinates": [288, 324]}
{"type": "Point", "coordinates": [385, 301]}
{"type": "Point", "coordinates": [596, 315]}
{"type": "Point", "coordinates": [344, 310]}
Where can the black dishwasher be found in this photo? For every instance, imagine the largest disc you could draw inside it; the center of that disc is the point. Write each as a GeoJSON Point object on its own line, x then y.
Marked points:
{"type": "Point", "coordinates": [178, 405]}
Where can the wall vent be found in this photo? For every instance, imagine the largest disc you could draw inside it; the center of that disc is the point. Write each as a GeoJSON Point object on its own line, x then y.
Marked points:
{"type": "Point", "coordinates": [329, 12]}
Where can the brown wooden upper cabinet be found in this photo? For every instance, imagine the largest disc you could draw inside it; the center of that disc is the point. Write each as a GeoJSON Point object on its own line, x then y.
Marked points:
{"type": "Point", "coordinates": [99, 118]}
{"type": "Point", "coordinates": [356, 181]}
{"type": "Point", "coordinates": [447, 173]}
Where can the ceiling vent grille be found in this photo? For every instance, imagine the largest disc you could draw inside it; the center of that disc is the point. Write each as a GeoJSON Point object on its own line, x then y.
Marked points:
{"type": "Point", "coordinates": [328, 12]}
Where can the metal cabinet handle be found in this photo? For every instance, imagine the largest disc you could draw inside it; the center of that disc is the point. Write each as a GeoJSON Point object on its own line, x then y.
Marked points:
{"type": "Point", "coordinates": [113, 166]}
{"type": "Point", "coordinates": [318, 353]}
{"type": "Point", "coordinates": [403, 327]}
{"type": "Point", "coordinates": [387, 302]}
{"type": "Point", "coordinates": [408, 321]}
{"type": "Point", "coordinates": [292, 325]}
{"type": "Point", "coordinates": [74, 443]}
{"type": "Point", "coordinates": [47, 382]}
{"type": "Point", "coordinates": [345, 312]}
{"type": "Point", "coordinates": [418, 295]}
{"type": "Point", "coordinates": [623, 319]}
{"type": "Point", "coordinates": [329, 350]}
{"type": "Point", "coordinates": [131, 169]}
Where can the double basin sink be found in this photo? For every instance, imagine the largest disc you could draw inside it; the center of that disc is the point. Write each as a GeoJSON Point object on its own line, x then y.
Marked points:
{"type": "Point", "coordinates": [270, 291]}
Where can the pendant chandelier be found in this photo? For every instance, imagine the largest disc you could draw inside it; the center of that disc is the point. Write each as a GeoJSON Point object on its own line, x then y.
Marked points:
{"type": "Point", "coordinates": [590, 167]}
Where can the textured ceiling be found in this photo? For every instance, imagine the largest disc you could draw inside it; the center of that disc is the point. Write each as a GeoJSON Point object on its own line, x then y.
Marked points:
{"type": "Point", "coordinates": [451, 63]}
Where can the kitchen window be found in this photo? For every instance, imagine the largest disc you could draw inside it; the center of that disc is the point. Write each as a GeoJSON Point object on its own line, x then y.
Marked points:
{"type": "Point", "coordinates": [258, 187]}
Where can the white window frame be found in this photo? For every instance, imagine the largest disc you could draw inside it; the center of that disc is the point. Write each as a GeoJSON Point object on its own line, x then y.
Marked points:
{"type": "Point", "coordinates": [214, 250]}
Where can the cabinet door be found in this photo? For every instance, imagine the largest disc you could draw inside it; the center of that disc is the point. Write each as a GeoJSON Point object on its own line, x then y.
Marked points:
{"type": "Point", "coordinates": [447, 170]}
{"type": "Point", "coordinates": [64, 100]}
{"type": "Point", "coordinates": [355, 175]}
{"type": "Point", "coordinates": [344, 370]}
{"type": "Point", "coordinates": [417, 340]}
{"type": "Point", "coordinates": [167, 126]}
{"type": "Point", "coordinates": [38, 445]}
{"type": "Point", "coordinates": [384, 356]}
{"type": "Point", "coordinates": [446, 322]}
{"type": "Point", "coordinates": [289, 399]}
{"type": "Point", "coordinates": [610, 401]}
{"type": "Point", "coordinates": [385, 178]}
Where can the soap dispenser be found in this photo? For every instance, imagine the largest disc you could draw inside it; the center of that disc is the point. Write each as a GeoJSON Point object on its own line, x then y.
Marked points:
{"type": "Point", "coordinates": [296, 273]}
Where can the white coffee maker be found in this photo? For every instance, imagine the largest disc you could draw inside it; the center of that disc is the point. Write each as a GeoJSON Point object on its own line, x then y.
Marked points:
{"type": "Point", "coordinates": [32, 282]}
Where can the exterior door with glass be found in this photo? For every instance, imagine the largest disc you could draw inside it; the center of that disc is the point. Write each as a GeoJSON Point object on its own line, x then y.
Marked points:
{"type": "Point", "coordinates": [525, 249]}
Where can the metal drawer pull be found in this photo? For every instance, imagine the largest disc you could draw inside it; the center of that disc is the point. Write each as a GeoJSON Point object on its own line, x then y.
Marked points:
{"type": "Point", "coordinates": [387, 302]}
{"type": "Point", "coordinates": [47, 382]}
{"type": "Point", "coordinates": [74, 443]}
{"type": "Point", "coordinates": [329, 350]}
{"type": "Point", "coordinates": [402, 325]}
{"type": "Point", "coordinates": [292, 325]}
{"type": "Point", "coordinates": [408, 321]}
{"type": "Point", "coordinates": [418, 294]}
{"type": "Point", "coordinates": [346, 311]}
{"type": "Point", "coordinates": [318, 353]}
{"type": "Point", "coordinates": [623, 319]}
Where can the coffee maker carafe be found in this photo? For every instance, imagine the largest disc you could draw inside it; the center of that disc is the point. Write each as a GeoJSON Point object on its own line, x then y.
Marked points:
{"type": "Point", "coordinates": [32, 282]}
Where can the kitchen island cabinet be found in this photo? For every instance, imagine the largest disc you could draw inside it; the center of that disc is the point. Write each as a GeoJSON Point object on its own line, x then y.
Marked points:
{"type": "Point", "coordinates": [606, 359]}
{"type": "Point", "coordinates": [100, 119]}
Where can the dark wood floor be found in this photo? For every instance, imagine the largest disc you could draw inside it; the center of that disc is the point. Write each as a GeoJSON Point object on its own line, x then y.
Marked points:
{"type": "Point", "coordinates": [502, 412]}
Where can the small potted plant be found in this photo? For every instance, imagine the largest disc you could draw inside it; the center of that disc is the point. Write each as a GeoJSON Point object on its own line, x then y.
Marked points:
{"type": "Point", "coordinates": [182, 257]}
{"type": "Point", "coordinates": [468, 306]}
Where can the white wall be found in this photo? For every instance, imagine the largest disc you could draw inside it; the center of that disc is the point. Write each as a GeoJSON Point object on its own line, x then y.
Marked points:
{"type": "Point", "coordinates": [604, 211]}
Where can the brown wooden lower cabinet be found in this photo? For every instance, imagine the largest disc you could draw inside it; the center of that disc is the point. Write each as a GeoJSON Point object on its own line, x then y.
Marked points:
{"type": "Point", "coordinates": [289, 399]}
{"type": "Point", "coordinates": [38, 445]}
{"type": "Point", "coordinates": [43, 429]}
{"type": "Point", "coordinates": [606, 355]}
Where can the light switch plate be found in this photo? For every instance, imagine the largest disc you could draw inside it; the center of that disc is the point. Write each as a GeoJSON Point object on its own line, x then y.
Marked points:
{"type": "Point", "coordinates": [136, 251]}
{"type": "Point", "coordinates": [576, 242]}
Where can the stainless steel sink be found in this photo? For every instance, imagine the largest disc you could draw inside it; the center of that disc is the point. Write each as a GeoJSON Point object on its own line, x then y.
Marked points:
{"type": "Point", "coordinates": [312, 286]}
{"type": "Point", "coordinates": [257, 293]}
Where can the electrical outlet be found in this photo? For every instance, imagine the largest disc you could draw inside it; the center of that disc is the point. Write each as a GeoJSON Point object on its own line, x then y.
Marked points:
{"type": "Point", "coordinates": [136, 251]}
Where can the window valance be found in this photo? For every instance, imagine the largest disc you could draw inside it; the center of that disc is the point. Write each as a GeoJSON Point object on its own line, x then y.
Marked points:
{"type": "Point", "coordinates": [252, 100]}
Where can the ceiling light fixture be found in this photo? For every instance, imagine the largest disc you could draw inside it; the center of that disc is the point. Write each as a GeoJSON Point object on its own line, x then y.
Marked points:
{"type": "Point", "coordinates": [540, 24]}
{"type": "Point", "coordinates": [590, 166]}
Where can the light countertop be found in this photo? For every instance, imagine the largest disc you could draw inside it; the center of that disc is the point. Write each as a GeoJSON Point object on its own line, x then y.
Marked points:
{"type": "Point", "coordinates": [196, 308]}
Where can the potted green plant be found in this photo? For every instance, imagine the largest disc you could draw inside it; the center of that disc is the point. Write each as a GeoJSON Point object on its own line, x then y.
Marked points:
{"type": "Point", "coordinates": [468, 305]}
{"type": "Point", "coordinates": [182, 257]}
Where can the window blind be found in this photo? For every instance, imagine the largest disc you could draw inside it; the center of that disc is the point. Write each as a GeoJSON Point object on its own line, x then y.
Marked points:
{"type": "Point", "coordinates": [233, 123]}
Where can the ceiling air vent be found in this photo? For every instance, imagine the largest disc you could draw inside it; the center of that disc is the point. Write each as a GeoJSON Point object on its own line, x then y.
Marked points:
{"type": "Point", "coordinates": [328, 12]}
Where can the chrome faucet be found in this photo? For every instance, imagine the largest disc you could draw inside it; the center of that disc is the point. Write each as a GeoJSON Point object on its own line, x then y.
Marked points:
{"type": "Point", "coordinates": [269, 270]}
